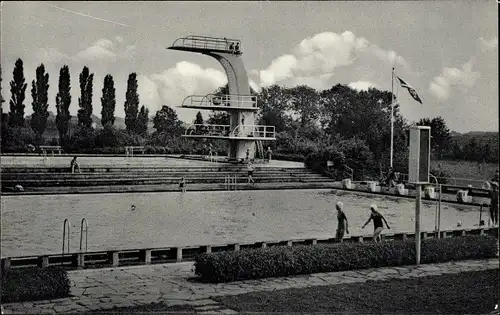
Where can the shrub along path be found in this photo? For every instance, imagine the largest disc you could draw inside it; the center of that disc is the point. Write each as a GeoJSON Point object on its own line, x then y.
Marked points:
{"type": "Point", "coordinates": [172, 285]}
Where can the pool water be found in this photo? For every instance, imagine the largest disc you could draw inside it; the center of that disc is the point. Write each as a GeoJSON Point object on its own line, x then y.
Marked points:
{"type": "Point", "coordinates": [33, 225]}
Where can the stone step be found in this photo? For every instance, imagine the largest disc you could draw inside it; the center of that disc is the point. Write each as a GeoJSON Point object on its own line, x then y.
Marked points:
{"type": "Point", "coordinates": [137, 169]}
{"type": "Point", "coordinates": [145, 181]}
{"type": "Point", "coordinates": [169, 188]}
{"type": "Point", "coordinates": [25, 176]}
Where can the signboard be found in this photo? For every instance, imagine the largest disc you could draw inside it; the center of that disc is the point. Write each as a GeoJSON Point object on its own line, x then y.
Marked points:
{"type": "Point", "coordinates": [419, 159]}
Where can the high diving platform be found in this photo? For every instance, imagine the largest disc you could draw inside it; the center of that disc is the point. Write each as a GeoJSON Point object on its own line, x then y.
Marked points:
{"type": "Point", "coordinates": [242, 133]}
{"type": "Point", "coordinates": [221, 102]}
{"type": "Point", "coordinates": [204, 44]}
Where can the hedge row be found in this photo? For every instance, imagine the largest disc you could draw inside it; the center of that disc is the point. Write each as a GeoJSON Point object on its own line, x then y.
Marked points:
{"type": "Point", "coordinates": [282, 261]}
{"type": "Point", "coordinates": [32, 284]}
{"type": "Point", "coordinates": [288, 157]}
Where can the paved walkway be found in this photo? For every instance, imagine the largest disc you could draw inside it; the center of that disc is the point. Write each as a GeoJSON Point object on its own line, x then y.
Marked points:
{"type": "Point", "coordinates": [101, 289]}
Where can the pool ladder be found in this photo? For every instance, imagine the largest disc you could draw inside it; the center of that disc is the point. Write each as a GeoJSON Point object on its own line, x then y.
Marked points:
{"type": "Point", "coordinates": [230, 182]}
{"type": "Point", "coordinates": [66, 236]}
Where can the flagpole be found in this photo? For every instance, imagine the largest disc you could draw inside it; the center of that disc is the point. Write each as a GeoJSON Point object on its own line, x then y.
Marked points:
{"type": "Point", "coordinates": [392, 116]}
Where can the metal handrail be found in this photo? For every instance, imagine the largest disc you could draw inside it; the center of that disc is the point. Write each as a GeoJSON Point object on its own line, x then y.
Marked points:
{"type": "Point", "coordinates": [230, 182]}
{"type": "Point", "coordinates": [220, 130]}
{"type": "Point", "coordinates": [226, 100]}
{"type": "Point", "coordinates": [258, 131]}
{"type": "Point", "coordinates": [86, 235]}
{"type": "Point", "coordinates": [66, 222]}
{"type": "Point", "coordinates": [437, 214]}
{"type": "Point", "coordinates": [451, 180]}
{"type": "Point", "coordinates": [351, 172]}
{"type": "Point", "coordinates": [204, 42]}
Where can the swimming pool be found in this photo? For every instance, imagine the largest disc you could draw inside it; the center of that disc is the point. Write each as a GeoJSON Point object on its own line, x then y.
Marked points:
{"type": "Point", "coordinates": [32, 225]}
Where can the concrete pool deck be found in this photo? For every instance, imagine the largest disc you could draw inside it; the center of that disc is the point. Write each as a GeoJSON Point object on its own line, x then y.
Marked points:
{"type": "Point", "coordinates": [103, 289]}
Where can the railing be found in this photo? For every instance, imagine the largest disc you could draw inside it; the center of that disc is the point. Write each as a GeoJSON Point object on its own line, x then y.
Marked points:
{"type": "Point", "coordinates": [208, 130]}
{"type": "Point", "coordinates": [256, 131]}
{"type": "Point", "coordinates": [81, 257]}
{"type": "Point", "coordinates": [349, 171]}
{"type": "Point", "coordinates": [66, 223]}
{"type": "Point", "coordinates": [227, 100]}
{"type": "Point", "coordinates": [208, 43]}
{"type": "Point", "coordinates": [129, 151]}
{"type": "Point", "coordinates": [230, 182]}
{"type": "Point", "coordinates": [86, 234]}
{"type": "Point", "coordinates": [403, 177]}
{"type": "Point", "coordinates": [146, 256]}
{"type": "Point", "coordinates": [50, 148]}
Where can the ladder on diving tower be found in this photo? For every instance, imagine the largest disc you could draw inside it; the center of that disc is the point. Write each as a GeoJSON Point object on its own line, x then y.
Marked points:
{"type": "Point", "coordinates": [260, 150]}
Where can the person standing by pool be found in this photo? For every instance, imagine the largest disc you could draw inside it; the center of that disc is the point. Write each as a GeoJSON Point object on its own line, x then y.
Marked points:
{"type": "Point", "coordinates": [182, 185]}
{"type": "Point", "coordinates": [342, 224]}
{"type": "Point", "coordinates": [378, 226]}
{"type": "Point", "coordinates": [74, 164]}
{"type": "Point", "coordinates": [250, 173]}
{"type": "Point", "coordinates": [495, 177]}
{"type": "Point", "coordinates": [494, 203]}
{"type": "Point", "coordinates": [269, 153]}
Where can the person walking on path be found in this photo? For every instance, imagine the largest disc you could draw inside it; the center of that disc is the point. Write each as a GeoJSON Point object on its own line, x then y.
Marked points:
{"type": "Point", "coordinates": [342, 224]}
{"type": "Point", "coordinates": [378, 226]}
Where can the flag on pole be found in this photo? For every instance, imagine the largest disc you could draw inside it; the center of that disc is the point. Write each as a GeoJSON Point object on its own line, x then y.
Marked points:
{"type": "Point", "coordinates": [411, 90]}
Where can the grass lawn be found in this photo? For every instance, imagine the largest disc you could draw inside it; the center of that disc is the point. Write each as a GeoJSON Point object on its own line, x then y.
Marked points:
{"type": "Point", "coordinates": [464, 293]}
{"type": "Point", "coordinates": [467, 169]}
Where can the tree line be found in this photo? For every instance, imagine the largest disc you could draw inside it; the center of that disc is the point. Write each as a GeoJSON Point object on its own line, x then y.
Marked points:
{"type": "Point", "coordinates": [338, 124]}
{"type": "Point", "coordinates": [19, 131]}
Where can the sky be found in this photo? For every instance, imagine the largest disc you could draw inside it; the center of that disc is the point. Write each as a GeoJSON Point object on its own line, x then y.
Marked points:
{"type": "Point", "coordinates": [448, 51]}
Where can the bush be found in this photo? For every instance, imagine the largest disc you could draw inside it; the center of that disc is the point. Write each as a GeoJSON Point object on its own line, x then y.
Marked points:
{"type": "Point", "coordinates": [352, 153]}
{"type": "Point", "coordinates": [288, 157]}
{"type": "Point", "coordinates": [285, 261]}
{"type": "Point", "coordinates": [33, 284]}
{"type": "Point", "coordinates": [441, 175]}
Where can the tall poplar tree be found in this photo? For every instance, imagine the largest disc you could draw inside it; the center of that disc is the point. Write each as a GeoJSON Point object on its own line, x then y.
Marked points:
{"type": "Point", "coordinates": [131, 102]}
{"type": "Point", "coordinates": [63, 101]}
{"type": "Point", "coordinates": [39, 93]}
{"type": "Point", "coordinates": [108, 101]}
{"type": "Point", "coordinates": [18, 93]}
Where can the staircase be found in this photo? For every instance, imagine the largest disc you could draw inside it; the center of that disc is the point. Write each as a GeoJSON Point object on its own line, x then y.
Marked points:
{"type": "Point", "coordinates": [143, 178]}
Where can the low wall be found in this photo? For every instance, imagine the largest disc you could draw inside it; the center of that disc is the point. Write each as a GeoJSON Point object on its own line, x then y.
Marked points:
{"type": "Point", "coordinates": [146, 256]}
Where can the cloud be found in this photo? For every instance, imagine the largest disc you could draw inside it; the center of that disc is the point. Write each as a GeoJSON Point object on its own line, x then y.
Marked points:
{"type": "Point", "coordinates": [491, 44]}
{"type": "Point", "coordinates": [322, 54]}
{"type": "Point", "coordinates": [254, 85]}
{"type": "Point", "coordinates": [185, 79]}
{"type": "Point", "coordinates": [50, 55]}
{"type": "Point", "coordinates": [149, 94]}
{"type": "Point", "coordinates": [362, 85]}
{"type": "Point", "coordinates": [463, 78]}
{"type": "Point", "coordinates": [102, 50]}
{"type": "Point", "coordinates": [99, 50]}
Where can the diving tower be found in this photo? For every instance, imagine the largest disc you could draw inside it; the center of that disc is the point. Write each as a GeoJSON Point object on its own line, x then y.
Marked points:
{"type": "Point", "coordinates": [241, 133]}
